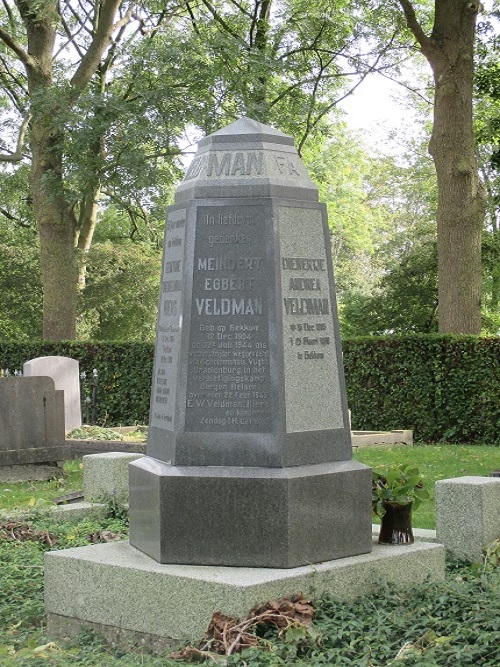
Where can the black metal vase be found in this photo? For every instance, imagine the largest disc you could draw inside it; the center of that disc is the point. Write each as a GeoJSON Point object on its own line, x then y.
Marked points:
{"type": "Point", "coordinates": [396, 523]}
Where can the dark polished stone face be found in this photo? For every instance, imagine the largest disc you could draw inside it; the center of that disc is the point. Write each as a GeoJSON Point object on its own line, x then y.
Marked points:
{"type": "Point", "coordinates": [250, 517]}
{"type": "Point", "coordinates": [248, 369]}
{"type": "Point", "coordinates": [229, 376]}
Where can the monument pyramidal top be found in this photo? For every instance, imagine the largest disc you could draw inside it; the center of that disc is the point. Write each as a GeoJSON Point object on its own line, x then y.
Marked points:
{"type": "Point", "coordinates": [246, 159]}
{"type": "Point", "coordinates": [251, 129]}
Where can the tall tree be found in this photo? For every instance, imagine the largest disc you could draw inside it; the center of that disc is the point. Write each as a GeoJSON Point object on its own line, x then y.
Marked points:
{"type": "Point", "coordinates": [289, 62]}
{"type": "Point", "coordinates": [449, 49]}
{"type": "Point", "coordinates": [52, 53]}
{"type": "Point", "coordinates": [488, 132]}
{"type": "Point", "coordinates": [273, 60]}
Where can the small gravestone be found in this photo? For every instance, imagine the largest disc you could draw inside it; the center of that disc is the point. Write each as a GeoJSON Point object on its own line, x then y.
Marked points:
{"type": "Point", "coordinates": [249, 454]}
{"type": "Point", "coordinates": [65, 373]}
{"type": "Point", "coordinates": [31, 421]}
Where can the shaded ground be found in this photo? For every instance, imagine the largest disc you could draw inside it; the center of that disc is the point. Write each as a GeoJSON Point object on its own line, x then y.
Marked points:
{"type": "Point", "coordinates": [38, 472]}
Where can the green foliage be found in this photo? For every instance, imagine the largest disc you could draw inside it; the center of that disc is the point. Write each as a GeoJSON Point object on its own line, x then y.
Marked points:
{"type": "Point", "coordinates": [403, 301]}
{"type": "Point", "coordinates": [341, 168]}
{"type": "Point", "coordinates": [21, 594]}
{"type": "Point", "coordinates": [492, 555]}
{"type": "Point", "coordinates": [444, 388]}
{"type": "Point", "coordinates": [118, 302]}
{"type": "Point", "coordinates": [121, 293]}
{"type": "Point", "coordinates": [396, 291]}
{"type": "Point", "coordinates": [94, 433]}
{"type": "Point", "coordinates": [20, 286]}
{"type": "Point", "coordinates": [399, 483]}
{"type": "Point", "coordinates": [426, 626]}
{"type": "Point", "coordinates": [115, 507]}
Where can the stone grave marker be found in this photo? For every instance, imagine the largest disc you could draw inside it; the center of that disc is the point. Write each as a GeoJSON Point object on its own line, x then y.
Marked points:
{"type": "Point", "coordinates": [31, 421]}
{"type": "Point", "coordinates": [65, 373]}
{"type": "Point", "coordinates": [249, 454]}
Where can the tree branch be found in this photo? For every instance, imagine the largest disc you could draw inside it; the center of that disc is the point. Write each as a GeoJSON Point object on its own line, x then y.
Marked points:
{"type": "Point", "coordinates": [217, 17]}
{"type": "Point", "coordinates": [100, 42]}
{"type": "Point", "coordinates": [23, 56]}
{"type": "Point", "coordinates": [71, 37]}
{"type": "Point", "coordinates": [9, 13]}
{"type": "Point", "coordinates": [14, 218]}
{"type": "Point", "coordinates": [192, 19]}
{"type": "Point", "coordinates": [86, 14]}
{"type": "Point", "coordinates": [82, 22]}
{"type": "Point", "coordinates": [241, 8]}
{"type": "Point", "coordinates": [12, 85]}
{"type": "Point", "coordinates": [426, 44]}
{"type": "Point", "coordinates": [168, 152]}
{"type": "Point", "coordinates": [309, 121]}
{"type": "Point", "coordinates": [18, 155]}
{"type": "Point", "coordinates": [11, 94]}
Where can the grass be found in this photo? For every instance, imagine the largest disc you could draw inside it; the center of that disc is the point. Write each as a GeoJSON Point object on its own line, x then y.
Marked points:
{"type": "Point", "coordinates": [435, 462]}
{"type": "Point", "coordinates": [453, 623]}
{"type": "Point", "coordinates": [26, 495]}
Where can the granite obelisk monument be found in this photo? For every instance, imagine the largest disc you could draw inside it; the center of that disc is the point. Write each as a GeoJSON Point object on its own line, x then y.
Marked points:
{"type": "Point", "coordinates": [249, 454]}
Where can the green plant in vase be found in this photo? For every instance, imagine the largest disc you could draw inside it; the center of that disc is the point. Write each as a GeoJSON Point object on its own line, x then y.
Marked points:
{"type": "Point", "coordinates": [396, 491]}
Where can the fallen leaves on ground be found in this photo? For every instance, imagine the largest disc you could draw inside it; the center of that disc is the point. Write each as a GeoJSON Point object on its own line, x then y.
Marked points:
{"type": "Point", "coordinates": [227, 635]}
{"type": "Point", "coordinates": [23, 532]}
{"type": "Point", "coordinates": [103, 536]}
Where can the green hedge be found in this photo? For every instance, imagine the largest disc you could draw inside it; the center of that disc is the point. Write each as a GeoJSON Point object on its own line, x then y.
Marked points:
{"type": "Point", "coordinates": [125, 371]}
{"type": "Point", "coordinates": [444, 388]}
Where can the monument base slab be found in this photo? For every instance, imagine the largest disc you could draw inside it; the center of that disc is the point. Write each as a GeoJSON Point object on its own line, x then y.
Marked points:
{"type": "Point", "coordinates": [114, 587]}
{"type": "Point", "coordinates": [250, 517]}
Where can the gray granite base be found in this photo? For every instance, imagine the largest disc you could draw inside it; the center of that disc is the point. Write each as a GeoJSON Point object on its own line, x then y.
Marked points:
{"type": "Point", "coordinates": [250, 517]}
{"type": "Point", "coordinates": [115, 586]}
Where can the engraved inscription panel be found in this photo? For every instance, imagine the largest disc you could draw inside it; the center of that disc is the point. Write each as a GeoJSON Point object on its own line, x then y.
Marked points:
{"type": "Point", "coordinates": [168, 334]}
{"type": "Point", "coordinates": [312, 389]}
{"type": "Point", "coordinates": [228, 379]}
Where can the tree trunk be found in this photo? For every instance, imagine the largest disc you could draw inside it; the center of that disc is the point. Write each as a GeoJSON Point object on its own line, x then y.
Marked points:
{"type": "Point", "coordinates": [461, 200]}
{"type": "Point", "coordinates": [56, 231]}
{"type": "Point", "coordinates": [54, 218]}
{"type": "Point", "coordinates": [87, 220]}
{"type": "Point", "coordinates": [54, 215]}
{"type": "Point", "coordinates": [461, 197]}
{"type": "Point", "coordinates": [259, 41]}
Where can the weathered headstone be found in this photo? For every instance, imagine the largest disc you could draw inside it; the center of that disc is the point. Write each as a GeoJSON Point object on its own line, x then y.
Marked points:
{"type": "Point", "coordinates": [31, 421]}
{"type": "Point", "coordinates": [249, 454]}
{"type": "Point", "coordinates": [65, 373]}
